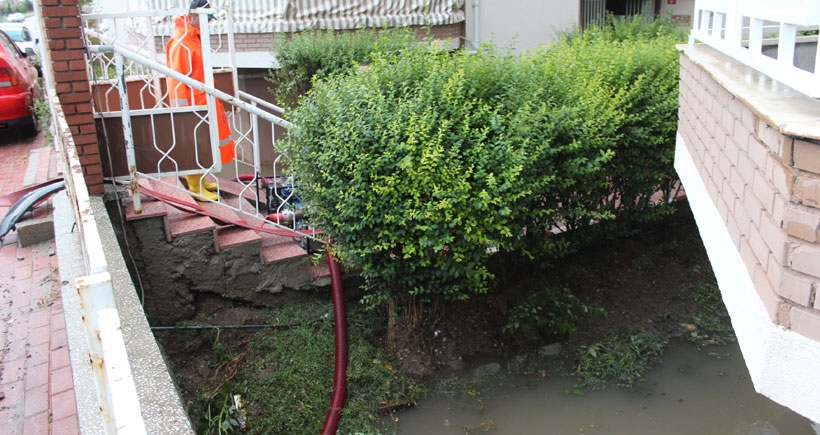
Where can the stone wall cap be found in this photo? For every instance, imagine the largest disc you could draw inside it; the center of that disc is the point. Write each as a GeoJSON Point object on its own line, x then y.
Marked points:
{"type": "Point", "coordinates": [791, 112]}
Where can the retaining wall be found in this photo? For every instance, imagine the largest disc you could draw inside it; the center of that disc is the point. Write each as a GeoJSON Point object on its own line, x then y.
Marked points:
{"type": "Point", "coordinates": [748, 154]}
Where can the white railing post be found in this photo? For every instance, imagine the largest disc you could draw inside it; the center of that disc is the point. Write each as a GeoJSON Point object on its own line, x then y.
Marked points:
{"type": "Point", "coordinates": [786, 45]}
{"type": "Point", "coordinates": [118, 402]}
{"type": "Point", "coordinates": [717, 25]}
{"type": "Point", "coordinates": [232, 49]}
{"type": "Point", "coordinates": [207, 66]}
{"type": "Point", "coordinates": [756, 37]}
{"type": "Point", "coordinates": [257, 151]}
{"type": "Point", "coordinates": [734, 25]}
{"type": "Point", "coordinates": [720, 24]}
{"type": "Point", "coordinates": [128, 136]}
{"type": "Point", "coordinates": [117, 395]}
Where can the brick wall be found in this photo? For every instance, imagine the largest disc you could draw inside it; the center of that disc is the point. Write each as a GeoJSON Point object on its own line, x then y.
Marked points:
{"type": "Point", "coordinates": [63, 41]}
{"type": "Point", "coordinates": [765, 185]}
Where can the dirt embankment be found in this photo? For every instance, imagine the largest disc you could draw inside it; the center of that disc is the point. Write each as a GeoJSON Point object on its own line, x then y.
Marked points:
{"type": "Point", "coordinates": [647, 283]}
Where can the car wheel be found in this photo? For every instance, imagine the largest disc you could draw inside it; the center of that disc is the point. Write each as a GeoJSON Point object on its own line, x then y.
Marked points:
{"type": "Point", "coordinates": [32, 126]}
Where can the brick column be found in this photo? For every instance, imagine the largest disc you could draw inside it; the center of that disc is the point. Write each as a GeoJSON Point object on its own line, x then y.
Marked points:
{"type": "Point", "coordinates": [64, 42]}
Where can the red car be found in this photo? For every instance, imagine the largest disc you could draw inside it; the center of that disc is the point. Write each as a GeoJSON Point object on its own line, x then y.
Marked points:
{"type": "Point", "coordinates": [19, 89]}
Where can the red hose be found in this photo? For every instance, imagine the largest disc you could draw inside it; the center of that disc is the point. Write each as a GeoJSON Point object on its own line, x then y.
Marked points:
{"type": "Point", "coordinates": [245, 177]}
{"type": "Point", "coordinates": [337, 401]}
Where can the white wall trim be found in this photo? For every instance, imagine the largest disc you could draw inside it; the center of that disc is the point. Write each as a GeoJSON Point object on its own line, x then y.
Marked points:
{"type": "Point", "coordinates": [246, 59]}
{"type": "Point", "coordinates": [783, 364]}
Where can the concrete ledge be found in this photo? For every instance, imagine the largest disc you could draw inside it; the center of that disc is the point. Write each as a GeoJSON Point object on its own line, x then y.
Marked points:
{"type": "Point", "coordinates": [35, 231]}
{"type": "Point", "coordinates": [792, 112]}
{"type": "Point", "coordinates": [160, 404]}
{"type": "Point", "coordinates": [72, 265]}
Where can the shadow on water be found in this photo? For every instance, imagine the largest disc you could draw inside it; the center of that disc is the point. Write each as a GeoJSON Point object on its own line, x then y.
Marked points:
{"type": "Point", "coordinates": [705, 392]}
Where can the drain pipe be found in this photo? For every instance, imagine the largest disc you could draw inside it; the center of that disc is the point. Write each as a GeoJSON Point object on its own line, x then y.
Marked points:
{"type": "Point", "coordinates": [476, 23]}
{"type": "Point", "coordinates": [337, 401]}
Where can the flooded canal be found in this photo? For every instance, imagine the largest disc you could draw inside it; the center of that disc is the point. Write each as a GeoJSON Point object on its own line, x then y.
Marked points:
{"type": "Point", "coordinates": [690, 392]}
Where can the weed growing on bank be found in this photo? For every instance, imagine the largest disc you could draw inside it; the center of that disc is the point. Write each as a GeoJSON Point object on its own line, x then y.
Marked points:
{"type": "Point", "coordinates": [284, 377]}
{"type": "Point", "coordinates": [551, 312]}
{"type": "Point", "coordinates": [711, 324]}
{"type": "Point", "coordinates": [622, 357]}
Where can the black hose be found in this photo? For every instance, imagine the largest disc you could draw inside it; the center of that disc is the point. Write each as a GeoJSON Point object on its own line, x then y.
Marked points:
{"type": "Point", "coordinates": [261, 326]}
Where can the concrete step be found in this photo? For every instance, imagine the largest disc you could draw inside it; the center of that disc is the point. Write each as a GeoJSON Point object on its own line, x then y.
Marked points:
{"type": "Point", "coordinates": [279, 248]}
{"type": "Point", "coordinates": [149, 208]}
{"type": "Point", "coordinates": [272, 248]}
{"type": "Point", "coordinates": [235, 188]}
{"type": "Point", "coordinates": [319, 274]}
{"type": "Point", "coordinates": [228, 236]}
{"type": "Point", "coordinates": [179, 222]}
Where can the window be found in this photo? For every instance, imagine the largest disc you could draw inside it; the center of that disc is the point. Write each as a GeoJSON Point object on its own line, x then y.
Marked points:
{"type": "Point", "coordinates": [10, 47]}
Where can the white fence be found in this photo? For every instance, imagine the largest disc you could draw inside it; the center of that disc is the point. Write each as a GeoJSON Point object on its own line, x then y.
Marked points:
{"type": "Point", "coordinates": [741, 29]}
{"type": "Point", "coordinates": [162, 143]}
{"type": "Point", "coordinates": [117, 398]}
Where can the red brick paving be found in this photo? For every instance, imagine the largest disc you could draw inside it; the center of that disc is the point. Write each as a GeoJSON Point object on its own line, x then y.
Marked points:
{"type": "Point", "coordinates": [35, 371]}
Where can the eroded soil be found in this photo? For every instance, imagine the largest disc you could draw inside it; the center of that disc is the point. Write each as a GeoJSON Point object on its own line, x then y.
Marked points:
{"type": "Point", "coordinates": [646, 283]}
{"type": "Point", "coordinates": [649, 283]}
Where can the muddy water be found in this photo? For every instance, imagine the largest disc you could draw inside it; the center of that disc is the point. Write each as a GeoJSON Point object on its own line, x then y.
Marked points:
{"type": "Point", "coordinates": [691, 392]}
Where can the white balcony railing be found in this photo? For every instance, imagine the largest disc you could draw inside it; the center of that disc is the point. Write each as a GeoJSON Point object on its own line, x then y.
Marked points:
{"type": "Point", "coordinates": [161, 143]}
{"type": "Point", "coordinates": [744, 29]}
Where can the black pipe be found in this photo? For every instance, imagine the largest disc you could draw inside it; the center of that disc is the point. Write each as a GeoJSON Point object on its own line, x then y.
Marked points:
{"type": "Point", "coordinates": [260, 326]}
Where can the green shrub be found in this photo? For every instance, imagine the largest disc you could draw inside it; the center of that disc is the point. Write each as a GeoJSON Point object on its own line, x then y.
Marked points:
{"type": "Point", "coordinates": [411, 174]}
{"type": "Point", "coordinates": [635, 62]}
{"type": "Point", "coordinates": [422, 165]}
{"type": "Point", "coordinates": [554, 311]}
{"type": "Point", "coordinates": [315, 53]}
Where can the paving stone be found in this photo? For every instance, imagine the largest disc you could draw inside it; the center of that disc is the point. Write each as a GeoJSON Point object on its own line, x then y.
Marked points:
{"type": "Point", "coordinates": [62, 380]}
{"type": "Point", "coordinates": [36, 376]}
{"type": "Point", "coordinates": [63, 405]}
{"type": "Point", "coordinates": [36, 424]}
{"type": "Point", "coordinates": [36, 379]}
{"type": "Point", "coordinates": [36, 400]}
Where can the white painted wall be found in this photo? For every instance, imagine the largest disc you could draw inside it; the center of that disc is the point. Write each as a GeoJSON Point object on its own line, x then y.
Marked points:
{"type": "Point", "coordinates": [781, 362]}
{"type": "Point", "coordinates": [521, 23]}
{"type": "Point", "coordinates": [680, 9]}
{"type": "Point", "coordinates": [526, 24]}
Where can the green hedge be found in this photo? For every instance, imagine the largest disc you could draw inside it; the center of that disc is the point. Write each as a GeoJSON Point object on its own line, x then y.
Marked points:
{"type": "Point", "coordinates": [422, 165]}
{"type": "Point", "coordinates": [317, 54]}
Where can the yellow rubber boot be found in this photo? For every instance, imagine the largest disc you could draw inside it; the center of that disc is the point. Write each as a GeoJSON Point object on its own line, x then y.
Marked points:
{"type": "Point", "coordinates": [207, 185]}
{"type": "Point", "coordinates": [195, 187]}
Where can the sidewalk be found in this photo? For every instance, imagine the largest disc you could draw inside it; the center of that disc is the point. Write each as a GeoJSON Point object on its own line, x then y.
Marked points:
{"type": "Point", "coordinates": [36, 384]}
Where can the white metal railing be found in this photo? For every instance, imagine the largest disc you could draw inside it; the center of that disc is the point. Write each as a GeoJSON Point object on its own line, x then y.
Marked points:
{"type": "Point", "coordinates": [116, 392]}
{"type": "Point", "coordinates": [739, 28]}
{"type": "Point", "coordinates": [128, 71]}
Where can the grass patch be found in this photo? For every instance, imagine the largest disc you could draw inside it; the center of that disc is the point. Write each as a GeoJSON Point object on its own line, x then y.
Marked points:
{"type": "Point", "coordinates": [712, 324]}
{"type": "Point", "coordinates": [285, 377]}
{"type": "Point", "coordinates": [43, 113]}
{"type": "Point", "coordinates": [623, 358]}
